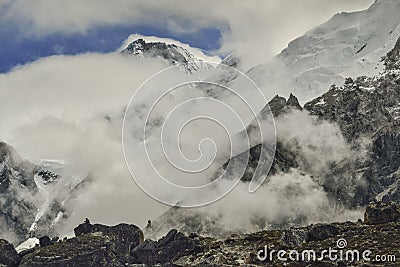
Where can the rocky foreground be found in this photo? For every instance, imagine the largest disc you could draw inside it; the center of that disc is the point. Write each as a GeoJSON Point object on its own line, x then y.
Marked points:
{"type": "Point", "coordinates": [124, 245]}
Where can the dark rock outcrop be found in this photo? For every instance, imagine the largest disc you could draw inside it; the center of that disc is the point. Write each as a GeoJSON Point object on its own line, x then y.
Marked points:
{"type": "Point", "coordinates": [392, 60]}
{"type": "Point", "coordinates": [322, 232]}
{"type": "Point", "coordinates": [123, 237]}
{"type": "Point", "coordinates": [283, 157]}
{"type": "Point", "coordinates": [44, 241]}
{"type": "Point", "coordinates": [91, 250]}
{"type": "Point", "coordinates": [169, 248]}
{"type": "Point", "coordinates": [294, 237]}
{"type": "Point", "coordinates": [279, 105]}
{"type": "Point", "coordinates": [94, 245]}
{"type": "Point", "coordinates": [366, 110]}
{"type": "Point", "coordinates": [380, 213]}
{"type": "Point", "coordinates": [8, 255]}
{"type": "Point", "coordinates": [120, 245]}
{"type": "Point", "coordinates": [293, 102]}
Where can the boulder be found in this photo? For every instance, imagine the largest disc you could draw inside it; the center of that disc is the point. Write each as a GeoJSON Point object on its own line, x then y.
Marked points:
{"type": "Point", "coordinates": [169, 248]}
{"type": "Point", "coordinates": [293, 238]}
{"type": "Point", "coordinates": [45, 241]}
{"type": "Point", "coordinates": [321, 232]}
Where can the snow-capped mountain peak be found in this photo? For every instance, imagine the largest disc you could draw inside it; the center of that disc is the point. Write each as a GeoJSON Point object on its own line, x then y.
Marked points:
{"type": "Point", "coordinates": [349, 44]}
{"type": "Point", "coordinates": [171, 51]}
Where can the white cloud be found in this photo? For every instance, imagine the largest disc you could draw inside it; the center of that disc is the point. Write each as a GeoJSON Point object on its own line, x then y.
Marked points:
{"type": "Point", "coordinates": [320, 142]}
{"type": "Point", "coordinates": [74, 87]}
{"type": "Point", "coordinates": [54, 108]}
{"type": "Point", "coordinates": [254, 29]}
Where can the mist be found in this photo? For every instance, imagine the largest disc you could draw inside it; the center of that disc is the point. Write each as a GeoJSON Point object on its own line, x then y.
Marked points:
{"type": "Point", "coordinates": [293, 198]}
{"type": "Point", "coordinates": [71, 108]}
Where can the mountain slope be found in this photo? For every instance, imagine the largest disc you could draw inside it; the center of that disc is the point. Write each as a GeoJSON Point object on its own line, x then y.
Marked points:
{"type": "Point", "coordinates": [366, 111]}
{"type": "Point", "coordinates": [349, 44]}
{"type": "Point", "coordinates": [368, 108]}
{"type": "Point", "coordinates": [31, 195]}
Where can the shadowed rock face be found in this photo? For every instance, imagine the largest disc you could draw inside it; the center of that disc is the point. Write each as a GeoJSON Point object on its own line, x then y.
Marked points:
{"type": "Point", "coordinates": [21, 200]}
{"type": "Point", "coordinates": [380, 213]}
{"type": "Point", "coordinates": [169, 248]}
{"type": "Point", "coordinates": [392, 60]}
{"type": "Point", "coordinates": [284, 158]}
{"type": "Point", "coordinates": [366, 108]}
{"type": "Point", "coordinates": [16, 179]}
{"type": "Point", "coordinates": [8, 255]}
{"type": "Point", "coordinates": [280, 106]}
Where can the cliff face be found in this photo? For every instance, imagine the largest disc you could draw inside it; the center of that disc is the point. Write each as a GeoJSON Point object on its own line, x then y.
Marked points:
{"type": "Point", "coordinates": [367, 112]}
{"type": "Point", "coordinates": [31, 200]}
{"type": "Point", "coordinates": [17, 188]}
{"type": "Point", "coordinates": [124, 245]}
{"type": "Point", "coordinates": [367, 108]}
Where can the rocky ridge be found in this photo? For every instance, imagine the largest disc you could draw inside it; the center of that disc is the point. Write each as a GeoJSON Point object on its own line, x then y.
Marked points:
{"type": "Point", "coordinates": [347, 45]}
{"type": "Point", "coordinates": [124, 245]}
{"type": "Point", "coordinates": [170, 53]}
{"type": "Point", "coordinates": [366, 109]}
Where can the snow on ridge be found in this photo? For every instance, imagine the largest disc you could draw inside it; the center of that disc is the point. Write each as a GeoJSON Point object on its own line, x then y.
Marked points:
{"type": "Point", "coordinates": [198, 53]}
{"type": "Point", "coordinates": [347, 45]}
{"type": "Point", "coordinates": [27, 244]}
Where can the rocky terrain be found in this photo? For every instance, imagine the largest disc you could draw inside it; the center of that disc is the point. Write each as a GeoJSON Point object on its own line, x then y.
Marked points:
{"type": "Point", "coordinates": [28, 203]}
{"type": "Point", "coordinates": [366, 109]}
{"type": "Point", "coordinates": [124, 245]}
{"type": "Point", "coordinates": [20, 196]}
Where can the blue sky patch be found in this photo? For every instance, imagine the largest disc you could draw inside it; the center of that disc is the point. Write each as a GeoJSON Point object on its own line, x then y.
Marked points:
{"type": "Point", "coordinates": [16, 50]}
